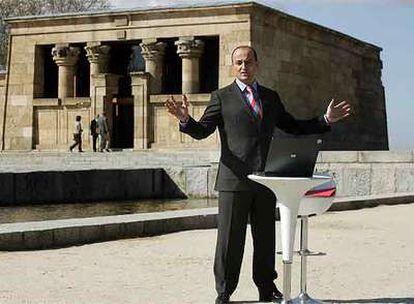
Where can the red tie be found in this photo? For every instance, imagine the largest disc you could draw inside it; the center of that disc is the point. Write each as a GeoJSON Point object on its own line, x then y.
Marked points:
{"type": "Point", "coordinates": [257, 109]}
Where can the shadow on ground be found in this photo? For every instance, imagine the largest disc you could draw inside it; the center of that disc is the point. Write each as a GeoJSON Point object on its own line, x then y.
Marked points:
{"type": "Point", "coordinates": [247, 302]}
{"type": "Point", "coordinates": [379, 300]}
{"type": "Point", "coordinates": [244, 302]}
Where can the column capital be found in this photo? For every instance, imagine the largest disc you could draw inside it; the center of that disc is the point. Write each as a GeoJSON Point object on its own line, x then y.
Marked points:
{"type": "Point", "coordinates": [151, 50]}
{"type": "Point", "coordinates": [65, 55]}
{"type": "Point", "coordinates": [97, 52]}
{"type": "Point", "coordinates": [153, 53]}
{"type": "Point", "coordinates": [188, 47]}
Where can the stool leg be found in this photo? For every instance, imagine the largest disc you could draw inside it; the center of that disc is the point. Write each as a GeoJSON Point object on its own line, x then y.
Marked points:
{"type": "Point", "coordinates": [304, 251]}
{"type": "Point", "coordinates": [287, 279]}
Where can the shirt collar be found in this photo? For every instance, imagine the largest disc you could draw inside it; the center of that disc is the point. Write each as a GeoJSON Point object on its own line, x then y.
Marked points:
{"type": "Point", "coordinates": [243, 86]}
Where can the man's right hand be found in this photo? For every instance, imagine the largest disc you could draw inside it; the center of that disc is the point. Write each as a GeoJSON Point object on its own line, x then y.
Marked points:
{"type": "Point", "coordinates": [178, 109]}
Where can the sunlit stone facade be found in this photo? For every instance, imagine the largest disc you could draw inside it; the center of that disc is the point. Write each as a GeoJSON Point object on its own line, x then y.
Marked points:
{"type": "Point", "coordinates": [126, 63]}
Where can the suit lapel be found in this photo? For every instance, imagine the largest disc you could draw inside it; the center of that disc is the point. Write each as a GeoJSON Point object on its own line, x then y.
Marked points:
{"type": "Point", "coordinates": [265, 100]}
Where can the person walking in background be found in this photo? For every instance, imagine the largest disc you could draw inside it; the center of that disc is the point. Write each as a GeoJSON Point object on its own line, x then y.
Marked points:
{"type": "Point", "coordinates": [108, 136]}
{"type": "Point", "coordinates": [245, 114]}
{"type": "Point", "coordinates": [103, 131]}
{"type": "Point", "coordinates": [94, 132]}
{"type": "Point", "coordinates": [77, 135]}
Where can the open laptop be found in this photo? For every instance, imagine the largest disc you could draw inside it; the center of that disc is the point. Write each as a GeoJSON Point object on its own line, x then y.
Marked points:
{"type": "Point", "coordinates": [292, 156]}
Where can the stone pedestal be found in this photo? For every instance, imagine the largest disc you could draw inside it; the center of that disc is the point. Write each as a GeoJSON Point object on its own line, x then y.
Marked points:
{"type": "Point", "coordinates": [105, 87]}
{"type": "Point", "coordinates": [66, 58]}
{"type": "Point", "coordinates": [190, 51]}
{"type": "Point", "coordinates": [153, 53]}
{"type": "Point", "coordinates": [140, 91]}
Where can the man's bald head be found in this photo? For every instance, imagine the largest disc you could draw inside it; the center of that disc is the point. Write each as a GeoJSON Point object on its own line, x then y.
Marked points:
{"type": "Point", "coordinates": [244, 64]}
{"type": "Point", "coordinates": [243, 47]}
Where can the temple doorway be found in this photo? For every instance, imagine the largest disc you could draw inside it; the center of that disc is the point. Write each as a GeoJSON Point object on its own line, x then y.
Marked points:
{"type": "Point", "coordinates": [122, 123]}
{"type": "Point", "coordinates": [125, 58]}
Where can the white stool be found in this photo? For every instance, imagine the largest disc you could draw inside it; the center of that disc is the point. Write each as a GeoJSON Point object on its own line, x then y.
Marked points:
{"type": "Point", "coordinates": [289, 191]}
{"type": "Point", "coordinates": [315, 202]}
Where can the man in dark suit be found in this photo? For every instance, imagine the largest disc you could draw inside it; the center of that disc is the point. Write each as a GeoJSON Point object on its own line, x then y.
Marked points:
{"type": "Point", "coordinates": [246, 114]}
{"type": "Point", "coordinates": [94, 131]}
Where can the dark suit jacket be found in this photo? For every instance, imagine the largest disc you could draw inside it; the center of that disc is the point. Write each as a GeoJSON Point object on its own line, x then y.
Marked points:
{"type": "Point", "coordinates": [244, 138]}
{"type": "Point", "coordinates": [93, 127]}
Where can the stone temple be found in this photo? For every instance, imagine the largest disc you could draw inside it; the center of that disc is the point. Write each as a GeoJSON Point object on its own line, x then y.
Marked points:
{"type": "Point", "coordinates": [127, 62]}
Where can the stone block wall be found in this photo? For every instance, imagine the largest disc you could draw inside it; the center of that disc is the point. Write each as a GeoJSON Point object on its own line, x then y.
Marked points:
{"type": "Point", "coordinates": [54, 123]}
{"type": "Point", "coordinates": [369, 172]}
{"type": "Point", "coordinates": [18, 102]}
{"type": "Point", "coordinates": [25, 116]}
{"type": "Point", "coordinates": [165, 128]}
{"type": "Point", "coordinates": [309, 64]}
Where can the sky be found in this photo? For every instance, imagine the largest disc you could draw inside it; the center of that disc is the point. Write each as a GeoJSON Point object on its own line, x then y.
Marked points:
{"type": "Point", "coordinates": [388, 24]}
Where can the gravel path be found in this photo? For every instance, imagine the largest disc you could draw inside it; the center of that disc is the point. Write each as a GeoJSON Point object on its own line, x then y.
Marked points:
{"type": "Point", "coordinates": [370, 260]}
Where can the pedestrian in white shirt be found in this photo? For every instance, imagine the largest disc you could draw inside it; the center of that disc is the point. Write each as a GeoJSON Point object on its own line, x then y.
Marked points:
{"type": "Point", "coordinates": [77, 135]}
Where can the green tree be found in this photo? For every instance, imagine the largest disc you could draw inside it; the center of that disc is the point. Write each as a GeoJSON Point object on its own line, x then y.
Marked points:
{"type": "Point", "coordinates": [13, 8]}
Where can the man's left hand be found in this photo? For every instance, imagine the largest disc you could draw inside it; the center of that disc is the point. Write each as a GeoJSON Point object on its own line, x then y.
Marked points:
{"type": "Point", "coordinates": [336, 112]}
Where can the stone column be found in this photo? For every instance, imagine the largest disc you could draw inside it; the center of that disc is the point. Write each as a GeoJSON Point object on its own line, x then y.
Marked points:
{"type": "Point", "coordinates": [153, 53]}
{"type": "Point", "coordinates": [190, 51]}
{"type": "Point", "coordinates": [140, 91]}
{"type": "Point", "coordinates": [98, 56]}
{"type": "Point", "coordinates": [66, 58]}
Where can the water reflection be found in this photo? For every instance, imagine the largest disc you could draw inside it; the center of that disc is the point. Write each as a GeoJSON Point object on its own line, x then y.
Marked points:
{"type": "Point", "coordinates": [63, 211]}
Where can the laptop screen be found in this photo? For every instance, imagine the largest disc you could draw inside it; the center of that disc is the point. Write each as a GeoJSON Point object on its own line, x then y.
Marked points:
{"type": "Point", "coordinates": [292, 156]}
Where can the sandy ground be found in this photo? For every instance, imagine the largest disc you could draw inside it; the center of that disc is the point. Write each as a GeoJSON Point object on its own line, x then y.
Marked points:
{"type": "Point", "coordinates": [370, 260]}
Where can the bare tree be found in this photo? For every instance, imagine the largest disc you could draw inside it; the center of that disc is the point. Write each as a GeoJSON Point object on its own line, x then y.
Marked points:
{"type": "Point", "coordinates": [12, 8]}
{"type": "Point", "coordinates": [64, 6]}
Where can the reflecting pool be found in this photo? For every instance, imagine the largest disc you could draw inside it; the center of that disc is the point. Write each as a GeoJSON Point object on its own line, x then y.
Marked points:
{"type": "Point", "coordinates": [57, 211]}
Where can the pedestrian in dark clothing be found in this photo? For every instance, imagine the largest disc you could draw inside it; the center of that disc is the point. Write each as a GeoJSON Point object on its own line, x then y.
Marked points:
{"type": "Point", "coordinates": [94, 132]}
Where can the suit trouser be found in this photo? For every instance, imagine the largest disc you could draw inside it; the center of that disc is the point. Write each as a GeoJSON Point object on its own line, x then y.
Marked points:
{"type": "Point", "coordinates": [94, 139]}
{"type": "Point", "coordinates": [234, 210]}
{"type": "Point", "coordinates": [102, 141]}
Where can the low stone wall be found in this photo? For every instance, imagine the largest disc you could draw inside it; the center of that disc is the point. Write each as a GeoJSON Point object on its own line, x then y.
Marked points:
{"type": "Point", "coordinates": [189, 173]}
{"type": "Point", "coordinates": [67, 232]}
{"type": "Point", "coordinates": [85, 186]}
{"type": "Point", "coordinates": [370, 172]}
{"type": "Point", "coordinates": [60, 233]}
{"type": "Point", "coordinates": [357, 173]}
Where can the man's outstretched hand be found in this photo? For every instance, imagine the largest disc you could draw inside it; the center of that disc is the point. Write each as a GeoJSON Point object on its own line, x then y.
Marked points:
{"type": "Point", "coordinates": [178, 109]}
{"type": "Point", "coordinates": [336, 112]}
